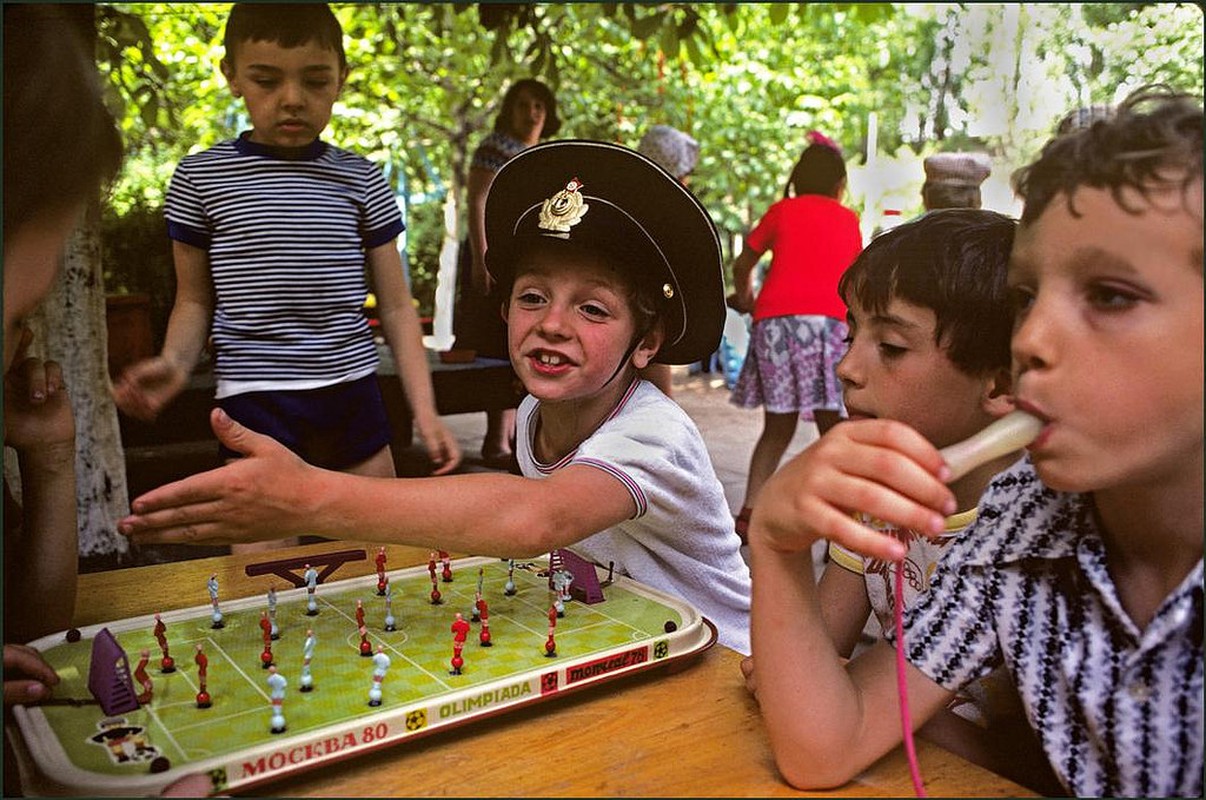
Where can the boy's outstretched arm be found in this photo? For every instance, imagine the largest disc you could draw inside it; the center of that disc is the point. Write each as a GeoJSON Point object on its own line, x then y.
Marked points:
{"type": "Point", "coordinates": [826, 721]}
{"type": "Point", "coordinates": [144, 388]}
{"type": "Point", "coordinates": [273, 494]}
{"type": "Point", "coordinates": [400, 322]}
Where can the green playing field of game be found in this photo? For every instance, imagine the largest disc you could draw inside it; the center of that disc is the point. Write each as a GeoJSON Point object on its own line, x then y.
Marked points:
{"type": "Point", "coordinates": [368, 687]}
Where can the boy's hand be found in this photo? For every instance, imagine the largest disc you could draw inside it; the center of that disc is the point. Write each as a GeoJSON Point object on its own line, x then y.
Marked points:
{"type": "Point", "coordinates": [442, 447]}
{"type": "Point", "coordinates": [27, 676]}
{"type": "Point", "coordinates": [879, 467]}
{"type": "Point", "coordinates": [37, 412]}
{"type": "Point", "coordinates": [266, 495]}
{"type": "Point", "coordinates": [143, 389]}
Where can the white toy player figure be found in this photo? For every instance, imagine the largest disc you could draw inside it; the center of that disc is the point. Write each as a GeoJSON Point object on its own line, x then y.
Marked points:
{"type": "Point", "coordinates": [275, 631]}
{"type": "Point", "coordinates": [311, 578]}
{"type": "Point", "coordinates": [389, 607]}
{"type": "Point", "coordinates": [306, 683]}
{"type": "Point", "coordinates": [380, 665]}
{"type": "Point", "coordinates": [212, 585]}
{"type": "Point", "coordinates": [509, 588]}
{"type": "Point", "coordinates": [477, 598]}
{"type": "Point", "coordinates": [562, 579]}
{"type": "Point", "coordinates": [277, 684]}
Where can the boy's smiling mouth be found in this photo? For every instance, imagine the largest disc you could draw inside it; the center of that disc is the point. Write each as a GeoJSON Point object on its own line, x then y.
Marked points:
{"type": "Point", "coordinates": [549, 361]}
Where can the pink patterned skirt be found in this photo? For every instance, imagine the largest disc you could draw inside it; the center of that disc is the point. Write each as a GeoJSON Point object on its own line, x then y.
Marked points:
{"type": "Point", "coordinates": [791, 366]}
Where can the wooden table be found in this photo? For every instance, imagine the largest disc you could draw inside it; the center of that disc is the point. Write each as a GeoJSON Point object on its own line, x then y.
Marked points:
{"type": "Point", "coordinates": [695, 732]}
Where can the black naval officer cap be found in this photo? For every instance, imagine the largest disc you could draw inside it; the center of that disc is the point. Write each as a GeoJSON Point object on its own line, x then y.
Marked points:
{"type": "Point", "coordinates": [604, 198]}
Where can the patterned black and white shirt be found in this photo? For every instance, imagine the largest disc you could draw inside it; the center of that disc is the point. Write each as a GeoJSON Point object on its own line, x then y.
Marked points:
{"type": "Point", "coordinates": [1119, 710]}
{"type": "Point", "coordinates": [286, 231]}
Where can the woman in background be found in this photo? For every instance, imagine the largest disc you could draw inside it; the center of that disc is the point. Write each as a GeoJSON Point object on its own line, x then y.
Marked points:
{"type": "Point", "coordinates": [799, 320]}
{"type": "Point", "coordinates": [528, 115]}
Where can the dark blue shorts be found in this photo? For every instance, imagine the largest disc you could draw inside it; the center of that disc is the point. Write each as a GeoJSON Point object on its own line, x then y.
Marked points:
{"type": "Point", "coordinates": [334, 427]}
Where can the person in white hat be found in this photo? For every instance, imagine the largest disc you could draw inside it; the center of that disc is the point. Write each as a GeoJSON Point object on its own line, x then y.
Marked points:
{"type": "Point", "coordinates": [952, 180]}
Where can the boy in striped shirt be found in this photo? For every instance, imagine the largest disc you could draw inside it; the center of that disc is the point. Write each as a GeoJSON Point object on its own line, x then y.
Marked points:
{"type": "Point", "coordinates": [272, 233]}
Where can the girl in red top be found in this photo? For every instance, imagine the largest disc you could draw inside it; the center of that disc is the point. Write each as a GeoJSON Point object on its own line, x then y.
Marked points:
{"type": "Point", "coordinates": [799, 319]}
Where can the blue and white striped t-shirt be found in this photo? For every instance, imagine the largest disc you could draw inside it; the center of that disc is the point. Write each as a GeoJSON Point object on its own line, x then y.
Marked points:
{"type": "Point", "coordinates": [1118, 709]}
{"type": "Point", "coordinates": [286, 232]}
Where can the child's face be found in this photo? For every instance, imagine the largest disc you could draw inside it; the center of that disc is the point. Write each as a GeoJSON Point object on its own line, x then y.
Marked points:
{"type": "Point", "coordinates": [569, 323]}
{"type": "Point", "coordinates": [895, 370]}
{"type": "Point", "coordinates": [1107, 347]}
{"type": "Point", "coordinates": [527, 115]}
{"type": "Point", "coordinates": [289, 91]}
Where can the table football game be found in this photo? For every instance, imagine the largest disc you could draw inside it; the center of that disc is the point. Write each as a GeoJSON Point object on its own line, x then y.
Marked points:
{"type": "Point", "coordinates": [72, 745]}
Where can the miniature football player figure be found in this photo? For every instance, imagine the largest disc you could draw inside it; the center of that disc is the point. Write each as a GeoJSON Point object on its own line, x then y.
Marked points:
{"type": "Point", "coordinates": [359, 613]}
{"type": "Point", "coordinates": [275, 634]}
{"type": "Point", "coordinates": [460, 628]}
{"type": "Point", "coordinates": [381, 580]}
{"type": "Point", "coordinates": [366, 647]}
{"type": "Point", "coordinates": [509, 588]}
{"type": "Point", "coordinates": [276, 686]}
{"type": "Point", "coordinates": [446, 559]}
{"type": "Point", "coordinates": [311, 578]}
{"type": "Point", "coordinates": [550, 646]}
{"type": "Point", "coordinates": [562, 579]}
{"type": "Point", "coordinates": [307, 682]}
{"type": "Point", "coordinates": [389, 607]}
{"type": "Point", "coordinates": [168, 664]}
{"type": "Point", "coordinates": [266, 633]}
{"type": "Point", "coordinates": [435, 589]}
{"type": "Point", "coordinates": [483, 613]}
{"type": "Point", "coordinates": [380, 665]}
{"type": "Point", "coordinates": [203, 698]}
{"type": "Point", "coordinates": [212, 585]}
{"type": "Point", "coordinates": [144, 680]}
{"type": "Point", "coordinates": [477, 598]}
{"type": "Point", "coordinates": [457, 660]}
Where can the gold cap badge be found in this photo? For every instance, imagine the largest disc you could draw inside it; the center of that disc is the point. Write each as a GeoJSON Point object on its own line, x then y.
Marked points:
{"type": "Point", "coordinates": [563, 210]}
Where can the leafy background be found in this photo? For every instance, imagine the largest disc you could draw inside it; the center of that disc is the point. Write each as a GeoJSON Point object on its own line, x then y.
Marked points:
{"type": "Point", "coordinates": [891, 83]}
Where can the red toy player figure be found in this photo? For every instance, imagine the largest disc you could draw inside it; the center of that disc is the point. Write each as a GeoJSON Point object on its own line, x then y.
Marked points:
{"type": "Point", "coordinates": [550, 646]}
{"type": "Point", "coordinates": [460, 628]}
{"type": "Point", "coordinates": [266, 627]}
{"type": "Point", "coordinates": [266, 656]}
{"type": "Point", "coordinates": [359, 614]}
{"type": "Point", "coordinates": [366, 648]}
{"type": "Point", "coordinates": [168, 664]}
{"type": "Point", "coordinates": [484, 614]}
{"type": "Point", "coordinates": [446, 558]}
{"type": "Point", "coordinates": [435, 589]}
{"type": "Point", "coordinates": [457, 661]}
{"type": "Point", "coordinates": [144, 680]}
{"type": "Point", "coordinates": [381, 572]}
{"type": "Point", "coordinates": [203, 698]}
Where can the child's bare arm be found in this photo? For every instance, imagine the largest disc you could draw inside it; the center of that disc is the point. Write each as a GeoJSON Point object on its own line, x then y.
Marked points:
{"type": "Point", "coordinates": [272, 494]}
{"type": "Point", "coordinates": [400, 323]}
{"type": "Point", "coordinates": [845, 606]}
{"type": "Point", "coordinates": [143, 389]}
{"type": "Point", "coordinates": [826, 721]}
{"type": "Point", "coordinates": [41, 557]}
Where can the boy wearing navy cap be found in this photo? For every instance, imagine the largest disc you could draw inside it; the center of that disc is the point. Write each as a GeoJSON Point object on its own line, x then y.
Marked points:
{"type": "Point", "coordinates": [612, 265]}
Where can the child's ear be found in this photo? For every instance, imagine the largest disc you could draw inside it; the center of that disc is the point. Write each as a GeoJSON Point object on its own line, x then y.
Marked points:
{"type": "Point", "coordinates": [650, 343]}
{"type": "Point", "coordinates": [228, 72]}
{"type": "Point", "coordinates": [997, 398]}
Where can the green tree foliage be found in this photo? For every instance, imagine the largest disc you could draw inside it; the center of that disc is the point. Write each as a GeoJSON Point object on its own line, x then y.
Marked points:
{"type": "Point", "coordinates": [748, 80]}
